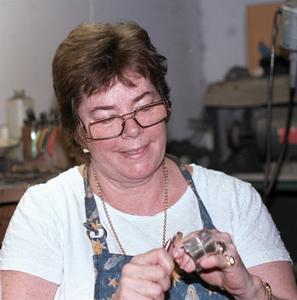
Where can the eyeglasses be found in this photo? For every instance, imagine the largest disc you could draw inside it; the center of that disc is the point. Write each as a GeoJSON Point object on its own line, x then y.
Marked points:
{"type": "Point", "coordinates": [145, 116]}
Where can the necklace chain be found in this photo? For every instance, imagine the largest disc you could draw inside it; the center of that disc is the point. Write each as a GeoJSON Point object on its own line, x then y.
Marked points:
{"type": "Point", "coordinates": [165, 203]}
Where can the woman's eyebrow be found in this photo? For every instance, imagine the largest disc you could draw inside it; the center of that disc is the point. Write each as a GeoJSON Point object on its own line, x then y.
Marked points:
{"type": "Point", "coordinates": [140, 97]}
{"type": "Point", "coordinates": [112, 107]}
{"type": "Point", "coordinates": [101, 107]}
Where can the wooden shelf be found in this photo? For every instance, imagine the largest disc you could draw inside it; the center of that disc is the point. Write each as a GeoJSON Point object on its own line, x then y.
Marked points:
{"type": "Point", "coordinates": [246, 92]}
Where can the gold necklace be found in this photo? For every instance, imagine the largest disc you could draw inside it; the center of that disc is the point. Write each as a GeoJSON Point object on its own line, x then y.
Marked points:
{"type": "Point", "coordinates": [108, 216]}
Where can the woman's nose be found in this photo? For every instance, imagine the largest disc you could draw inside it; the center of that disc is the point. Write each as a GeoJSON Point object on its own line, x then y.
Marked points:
{"type": "Point", "coordinates": [131, 128]}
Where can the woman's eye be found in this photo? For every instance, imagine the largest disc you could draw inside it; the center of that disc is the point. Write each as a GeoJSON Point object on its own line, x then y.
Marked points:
{"type": "Point", "coordinates": [107, 121]}
{"type": "Point", "coordinates": [146, 108]}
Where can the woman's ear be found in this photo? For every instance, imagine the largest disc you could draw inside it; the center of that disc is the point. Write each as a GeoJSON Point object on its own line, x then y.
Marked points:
{"type": "Point", "coordinates": [80, 138]}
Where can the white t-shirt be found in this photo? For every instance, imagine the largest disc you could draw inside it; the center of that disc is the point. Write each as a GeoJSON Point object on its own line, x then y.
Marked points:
{"type": "Point", "coordinates": [46, 236]}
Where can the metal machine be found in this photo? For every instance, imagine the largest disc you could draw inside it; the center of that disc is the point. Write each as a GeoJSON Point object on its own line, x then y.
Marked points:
{"type": "Point", "coordinates": [256, 136]}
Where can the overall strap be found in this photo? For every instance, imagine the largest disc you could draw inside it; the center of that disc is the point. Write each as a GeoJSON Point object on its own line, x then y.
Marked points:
{"type": "Point", "coordinates": [206, 219]}
{"type": "Point", "coordinates": [95, 231]}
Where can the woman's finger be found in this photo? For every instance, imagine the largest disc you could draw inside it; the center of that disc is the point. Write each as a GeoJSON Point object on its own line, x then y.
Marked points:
{"type": "Point", "coordinates": [138, 289]}
{"type": "Point", "coordinates": [149, 273]}
{"type": "Point", "coordinates": [155, 257]}
{"type": "Point", "coordinates": [224, 262]}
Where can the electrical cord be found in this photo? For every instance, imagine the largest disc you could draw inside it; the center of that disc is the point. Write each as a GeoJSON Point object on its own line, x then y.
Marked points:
{"type": "Point", "coordinates": [269, 102]}
{"type": "Point", "coordinates": [283, 151]}
{"type": "Point", "coordinates": [269, 183]}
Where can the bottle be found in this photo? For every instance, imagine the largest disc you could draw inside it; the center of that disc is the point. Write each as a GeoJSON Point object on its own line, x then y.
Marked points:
{"type": "Point", "coordinates": [17, 107]}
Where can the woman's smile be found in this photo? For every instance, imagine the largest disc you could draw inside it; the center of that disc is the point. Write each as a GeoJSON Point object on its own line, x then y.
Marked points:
{"type": "Point", "coordinates": [135, 152]}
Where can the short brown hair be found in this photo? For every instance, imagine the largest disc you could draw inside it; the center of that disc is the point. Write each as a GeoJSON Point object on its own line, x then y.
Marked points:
{"type": "Point", "coordinates": [93, 56]}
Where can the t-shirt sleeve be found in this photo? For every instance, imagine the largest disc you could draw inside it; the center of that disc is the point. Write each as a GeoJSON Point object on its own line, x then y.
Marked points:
{"type": "Point", "coordinates": [32, 243]}
{"type": "Point", "coordinates": [255, 234]}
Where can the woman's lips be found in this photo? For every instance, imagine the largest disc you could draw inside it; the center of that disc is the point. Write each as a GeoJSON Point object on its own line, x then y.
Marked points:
{"type": "Point", "coordinates": [135, 152]}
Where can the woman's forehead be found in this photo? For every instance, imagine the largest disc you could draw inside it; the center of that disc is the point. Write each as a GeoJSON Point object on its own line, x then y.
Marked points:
{"type": "Point", "coordinates": [120, 95]}
{"type": "Point", "coordinates": [119, 91]}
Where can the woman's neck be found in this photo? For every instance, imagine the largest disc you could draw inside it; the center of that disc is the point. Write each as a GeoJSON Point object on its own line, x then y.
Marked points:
{"type": "Point", "coordinates": [145, 196]}
{"type": "Point", "coordinates": [141, 197]}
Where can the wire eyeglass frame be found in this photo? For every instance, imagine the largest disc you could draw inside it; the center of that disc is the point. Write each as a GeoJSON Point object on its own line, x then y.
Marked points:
{"type": "Point", "coordinates": [124, 118]}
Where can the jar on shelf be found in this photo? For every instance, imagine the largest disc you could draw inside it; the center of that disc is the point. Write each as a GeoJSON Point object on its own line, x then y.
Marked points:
{"type": "Point", "coordinates": [16, 109]}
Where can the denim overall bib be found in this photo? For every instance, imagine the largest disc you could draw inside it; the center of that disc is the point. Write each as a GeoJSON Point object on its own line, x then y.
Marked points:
{"type": "Point", "coordinates": [108, 265]}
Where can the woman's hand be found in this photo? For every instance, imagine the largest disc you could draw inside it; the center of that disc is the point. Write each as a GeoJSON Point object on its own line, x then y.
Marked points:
{"type": "Point", "coordinates": [223, 269]}
{"type": "Point", "coordinates": [146, 276]}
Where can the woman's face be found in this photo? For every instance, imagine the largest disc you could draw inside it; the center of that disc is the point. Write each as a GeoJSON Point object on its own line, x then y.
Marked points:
{"type": "Point", "coordinates": [138, 152]}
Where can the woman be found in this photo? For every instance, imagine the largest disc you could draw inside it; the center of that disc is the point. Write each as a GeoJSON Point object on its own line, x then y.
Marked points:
{"type": "Point", "coordinates": [100, 230]}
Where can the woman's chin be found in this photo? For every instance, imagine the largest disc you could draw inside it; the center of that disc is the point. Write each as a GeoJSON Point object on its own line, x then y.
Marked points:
{"type": "Point", "coordinates": [139, 169]}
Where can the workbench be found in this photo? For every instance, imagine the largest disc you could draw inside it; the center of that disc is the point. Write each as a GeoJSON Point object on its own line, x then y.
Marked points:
{"type": "Point", "coordinates": [12, 187]}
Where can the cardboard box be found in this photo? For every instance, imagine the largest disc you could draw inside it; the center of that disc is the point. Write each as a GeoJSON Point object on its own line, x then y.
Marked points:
{"type": "Point", "coordinates": [259, 21]}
